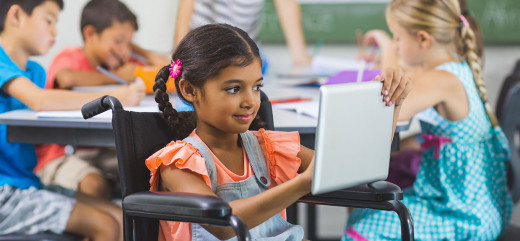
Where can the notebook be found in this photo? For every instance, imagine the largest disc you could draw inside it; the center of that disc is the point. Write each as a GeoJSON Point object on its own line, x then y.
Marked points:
{"type": "Point", "coordinates": [353, 136]}
{"type": "Point", "coordinates": [350, 76]}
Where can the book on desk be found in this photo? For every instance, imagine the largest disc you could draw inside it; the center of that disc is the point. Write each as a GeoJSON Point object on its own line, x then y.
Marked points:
{"type": "Point", "coordinates": [326, 70]}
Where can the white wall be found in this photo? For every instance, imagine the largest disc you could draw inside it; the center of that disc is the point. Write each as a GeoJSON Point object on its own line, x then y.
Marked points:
{"type": "Point", "coordinates": [156, 19]}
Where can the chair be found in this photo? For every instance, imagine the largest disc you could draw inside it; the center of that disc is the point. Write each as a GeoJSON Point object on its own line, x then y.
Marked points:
{"type": "Point", "coordinates": [508, 113]}
{"type": "Point", "coordinates": [510, 80]}
{"type": "Point", "coordinates": [138, 135]}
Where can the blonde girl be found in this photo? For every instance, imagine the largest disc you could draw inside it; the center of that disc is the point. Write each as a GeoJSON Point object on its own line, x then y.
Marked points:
{"type": "Point", "coordinates": [460, 192]}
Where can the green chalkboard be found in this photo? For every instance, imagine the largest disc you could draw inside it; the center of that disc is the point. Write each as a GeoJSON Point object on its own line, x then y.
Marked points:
{"type": "Point", "coordinates": [337, 22]}
{"type": "Point", "coordinates": [499, 19]}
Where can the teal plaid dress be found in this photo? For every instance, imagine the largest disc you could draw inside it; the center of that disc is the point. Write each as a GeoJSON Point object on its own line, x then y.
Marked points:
{"type": "Point", "coordinates": [460, 192]}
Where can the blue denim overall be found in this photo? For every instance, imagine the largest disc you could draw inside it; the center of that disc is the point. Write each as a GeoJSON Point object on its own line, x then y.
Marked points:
{"type": "Point", "coordinates": [275, 228]}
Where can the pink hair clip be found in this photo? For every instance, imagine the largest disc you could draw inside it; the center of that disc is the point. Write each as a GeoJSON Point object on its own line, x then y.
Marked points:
{"type": "Point", "coordinates": [464, 21]}
{"type": "Point", "coordinates": [175, 68]}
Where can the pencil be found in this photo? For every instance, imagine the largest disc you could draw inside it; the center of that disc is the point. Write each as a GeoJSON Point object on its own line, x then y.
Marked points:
{"type": "Point", "coordinates": [290, 100]}
{"type": "Point", "coordinates": [113, 76]}
{"type": "Point", "coordinates": [361, 70]}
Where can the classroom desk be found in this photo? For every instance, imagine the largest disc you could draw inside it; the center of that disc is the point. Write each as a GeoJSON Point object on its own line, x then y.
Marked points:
{"type": "Point", "coordinates": [24, 126]}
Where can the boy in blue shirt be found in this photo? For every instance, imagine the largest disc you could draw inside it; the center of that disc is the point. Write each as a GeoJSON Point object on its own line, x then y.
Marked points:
{"type": "Point", "coordinates": [27, 28]}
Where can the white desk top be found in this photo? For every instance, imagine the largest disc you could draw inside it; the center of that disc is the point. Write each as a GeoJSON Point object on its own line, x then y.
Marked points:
{"type": "Point", "coordinates": [284, 120]}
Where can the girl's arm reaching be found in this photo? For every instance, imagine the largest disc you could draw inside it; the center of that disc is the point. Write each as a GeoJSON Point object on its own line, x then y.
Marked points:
{"type": "Point", "coordinates": [396, 87]}
{"type": "Point", "coordinates": [440, 89]}
{"type": "Point", "coordinates": [389, 57]}
{"type": "Point", "coordinates": [431, 88]}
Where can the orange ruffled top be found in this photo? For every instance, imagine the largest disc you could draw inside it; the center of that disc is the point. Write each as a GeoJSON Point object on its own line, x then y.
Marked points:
{"type": "Point", "coordinates": [279, 148]}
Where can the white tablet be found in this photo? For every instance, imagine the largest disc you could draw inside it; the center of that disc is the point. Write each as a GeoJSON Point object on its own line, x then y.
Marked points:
{"type": "Point", "coordinates": [353, 137]}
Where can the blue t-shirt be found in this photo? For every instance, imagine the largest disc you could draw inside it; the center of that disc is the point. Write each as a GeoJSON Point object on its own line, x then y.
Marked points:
{"type": "Point", "coordinates": [17, 160]}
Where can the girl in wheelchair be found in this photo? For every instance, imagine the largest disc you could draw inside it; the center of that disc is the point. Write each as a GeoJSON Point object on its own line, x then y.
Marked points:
{"type": "Point", "coordinates": [217, 68]}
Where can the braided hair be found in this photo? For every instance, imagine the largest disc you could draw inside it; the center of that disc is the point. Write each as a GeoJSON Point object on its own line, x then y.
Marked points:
{"type": "Point", "coordinates": [464, 11]}
{"type": "Point", "coordinates": [204, 52]}
{"type": "Point", "coordinates": [442, 19]}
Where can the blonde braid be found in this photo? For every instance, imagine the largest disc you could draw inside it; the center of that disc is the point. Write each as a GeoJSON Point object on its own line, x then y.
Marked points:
{"type": "Point", "coordinates": [469, 52]}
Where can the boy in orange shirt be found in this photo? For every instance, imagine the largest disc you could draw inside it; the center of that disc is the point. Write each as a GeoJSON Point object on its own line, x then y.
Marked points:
{"type": "Point", "coordinates": [107, 28]}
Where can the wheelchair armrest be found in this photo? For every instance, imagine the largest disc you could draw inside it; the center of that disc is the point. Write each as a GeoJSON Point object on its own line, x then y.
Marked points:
{"type": "Point", "coordinates": [184, 207]}
{"type": "Point", "coordinates": [358, 196]}
{"type": "Point", "coordinates": [99, 106]}
{"type": "Point", "coordinates": [40, 237]}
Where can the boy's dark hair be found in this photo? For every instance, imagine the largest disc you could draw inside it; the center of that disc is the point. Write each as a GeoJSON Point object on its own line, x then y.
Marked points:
{"type": "Point", "coordinates": [204, 53]}
{"type": "Point", "coordinates": [27, 5]}
{"type": "Point", "coordinates": [101, 14]}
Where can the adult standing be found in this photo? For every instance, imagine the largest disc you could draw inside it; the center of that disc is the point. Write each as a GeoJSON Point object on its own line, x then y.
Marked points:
{"type": "Point", "coordinates": [244, 14]}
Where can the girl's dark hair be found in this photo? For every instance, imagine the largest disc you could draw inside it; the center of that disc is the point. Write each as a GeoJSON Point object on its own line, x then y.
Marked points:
{"type": "Point", "coordinates": [204, 52]}
{"type": "Point", "coordinates": [27, 5]}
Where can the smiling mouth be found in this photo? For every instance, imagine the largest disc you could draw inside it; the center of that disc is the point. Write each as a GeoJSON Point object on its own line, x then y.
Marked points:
{"type": "Point", "coordinates": [119, 59]}
{"type": "Point", "coordinates": [243, 118]}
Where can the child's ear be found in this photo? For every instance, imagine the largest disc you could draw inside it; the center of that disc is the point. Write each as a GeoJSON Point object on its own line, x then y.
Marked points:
{"type": "Point", "coordinates": [188, 91]}
{"type": "Point", "coordinates": [424, 38]}
{"type": "Point", "coordinates": [89, 32]}
{"type": "Point", "coordinates": [14, 16]}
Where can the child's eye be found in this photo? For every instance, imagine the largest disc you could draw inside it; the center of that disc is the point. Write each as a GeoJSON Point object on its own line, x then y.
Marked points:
{"type": "Point", "coordinates": [257, 87]}
{"type": "Point", "coordinates": [233, 90]}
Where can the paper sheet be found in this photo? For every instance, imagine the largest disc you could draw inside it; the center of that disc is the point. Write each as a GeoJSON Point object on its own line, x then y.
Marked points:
{"type": "Point", "coordinates": [97, 88]}
{"type": "Point", "coordinates": [310, 108]}
{"type": "Point", "coordinates": [76, 114]}
{"type": "Point", "coordinates": [331, 65]}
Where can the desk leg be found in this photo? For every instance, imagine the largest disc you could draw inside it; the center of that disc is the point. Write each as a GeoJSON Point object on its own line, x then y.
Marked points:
{"type": "Point", "coordinates": [292, 213]}
{"type": "Point", "coordinates": [308, 140]}
{"type": "Point", "coordinates": [311, 222]}
{"type": "Point", "coordinates": [395, 142]}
